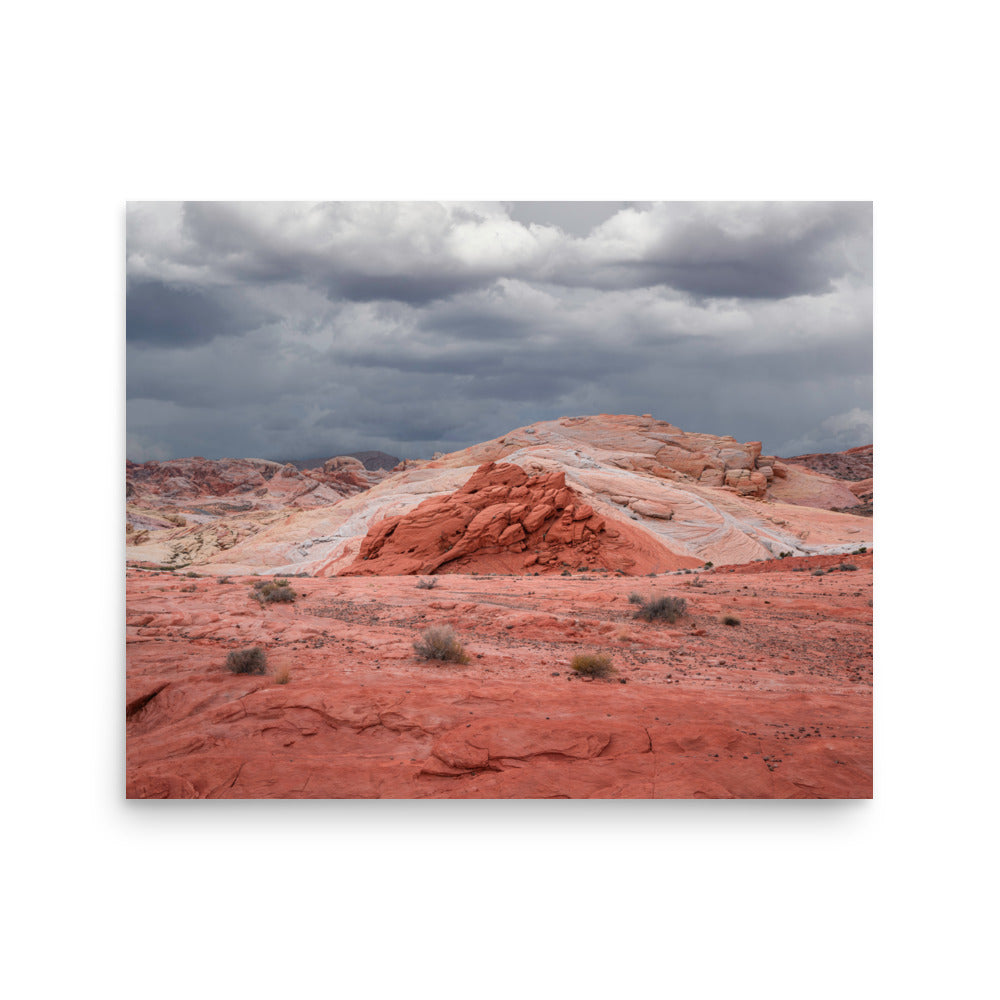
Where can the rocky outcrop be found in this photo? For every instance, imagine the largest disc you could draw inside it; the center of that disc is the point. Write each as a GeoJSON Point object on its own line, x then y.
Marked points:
{"type": "Point", "coordinates": [853, 464]}
{"type": "Point", "coordinates": [503, 518]}
{"type": "Point", "coordinates": [190, 509]}
{"type": "Point", "coordinates": [341, 462]}
{"type": "Point", "coordinates": [200, 480]}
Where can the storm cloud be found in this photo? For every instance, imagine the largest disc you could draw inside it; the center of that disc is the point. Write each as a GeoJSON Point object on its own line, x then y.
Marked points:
{"type": "Point", "coordinates": [289, 330]}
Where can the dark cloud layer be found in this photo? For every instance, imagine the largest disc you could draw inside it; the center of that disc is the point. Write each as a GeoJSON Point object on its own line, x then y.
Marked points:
{"type": "Point", "coordinates": [283, 330]}
{"type": "Point", "coordinates": [179, 315]}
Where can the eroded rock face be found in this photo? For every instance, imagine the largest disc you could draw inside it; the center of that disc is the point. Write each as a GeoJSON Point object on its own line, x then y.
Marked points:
{"type": "Point", "coordinates": [202, 480]}
{"type": "Point", "coordinates": [505, 519]}
{"type": "Point", "coordinates": [853, 464]}
{"type": "Point", "coordinates": [190, 509]}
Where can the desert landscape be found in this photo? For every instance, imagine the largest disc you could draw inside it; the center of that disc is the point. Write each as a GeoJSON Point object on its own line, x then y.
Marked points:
{"type": "Point", "coordinates": [716, 602]}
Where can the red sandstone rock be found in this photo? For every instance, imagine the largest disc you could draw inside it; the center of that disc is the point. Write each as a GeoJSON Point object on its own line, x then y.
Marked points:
{"type": "Point", "coordinates": [778, 707]}
{"type": "Point", "coordinates": [503, 519]}
{"type": "Point", "coordinates": [652, 508]}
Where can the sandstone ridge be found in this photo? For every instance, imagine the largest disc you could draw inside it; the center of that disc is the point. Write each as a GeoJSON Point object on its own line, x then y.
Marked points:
{"type": "Point", "coordinates": [659, 498]}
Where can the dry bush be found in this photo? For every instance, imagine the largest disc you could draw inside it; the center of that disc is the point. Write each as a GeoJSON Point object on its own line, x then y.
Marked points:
{"type": "Point", "coordinates": [282, 676]}
{"type": "Point", "coordinates": [592, 664]}
{"type": "Point", "coordinates": [247, 661]}
{"type": "Point", "coordinates": [730, 620]}
{"type": "Point", "coordinates": [272, 591]}
{"type": "Point", "coordinates": [429, 584]}
{"type": "Point", "coordinates": [440, 643]}
{"type": "Point", "coordinates": [667, 609]}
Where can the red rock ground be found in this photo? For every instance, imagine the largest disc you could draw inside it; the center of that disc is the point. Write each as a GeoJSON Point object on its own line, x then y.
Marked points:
{"type": "Point", "coordinates": [778, 706]}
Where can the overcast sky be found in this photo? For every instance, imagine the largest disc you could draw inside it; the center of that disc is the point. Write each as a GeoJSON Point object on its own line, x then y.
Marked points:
{"type": "Point", "coordinates": [292, 330]}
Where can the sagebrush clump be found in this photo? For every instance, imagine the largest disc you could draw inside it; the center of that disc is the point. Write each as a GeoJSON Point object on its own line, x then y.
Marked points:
{"type": "Point", "coordinates": [730, 620]}
{"type": "Point", "coordinates": [666, 609]}
{"type": "Point", "coordinates": [592, 664]}
{"type": "Point", "coordinates": [272, 592]}
{"type": "Point", "coordinates": [427, 584]}
{"type": "Point", "coordinates": [441, 643]}
{"type": "Point", "coordinates": [247, 661]}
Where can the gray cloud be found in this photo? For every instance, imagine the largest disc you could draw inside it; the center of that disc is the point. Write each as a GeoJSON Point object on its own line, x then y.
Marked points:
{"type": "Point", "coordinates": [178, 315]}
{"type": "Point", "coordinates": [767, 251]}
{"type": "Point", "coordinates": [289, 330]}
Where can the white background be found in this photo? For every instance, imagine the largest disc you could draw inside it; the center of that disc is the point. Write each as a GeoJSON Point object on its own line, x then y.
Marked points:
{"type": "Point", "coordinates": [106, 103]}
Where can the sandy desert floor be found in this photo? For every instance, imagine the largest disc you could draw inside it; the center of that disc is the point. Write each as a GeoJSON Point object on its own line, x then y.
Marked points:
{"type": "Point", "coordinates": [777, 706]}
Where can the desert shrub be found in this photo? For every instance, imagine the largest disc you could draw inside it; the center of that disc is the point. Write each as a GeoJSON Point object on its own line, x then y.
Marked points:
{"type": "Point", "coordinates": [223, 579]}
{"type": "Point", "coordinates": [635, 598]}
{"type": "Point", "coordinates": [697, 582]}
{"type": "Point", "coordinates": [709, 565]}
{"type": "Point", "coordinates": [272, 592]}
{"type": "Point", "coordinates": [730, 620]}
{"type": "Point", "coordinates": [282, 676]}
{"type": "Point", "coordinates": [819, 571]}
{"type": "Point", "coordinates": [667, 609]}
{"type": "Point", "coordinates": [247, 661]}
{"type": "Point", "coordinates": [440, 643]}
{"type": "Point", "coordinates": [861, 551]}
{"type": "Point", "coordinates": [429, 584]}
{"type": "Point", "coordinates": [592, 664]}
{"type": "Point", "coordinates": [847, 567]}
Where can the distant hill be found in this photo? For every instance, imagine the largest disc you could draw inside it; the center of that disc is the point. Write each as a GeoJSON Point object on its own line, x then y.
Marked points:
{"type": "Point", "coordinates": [621, 493]}
{"type": "Point", "coordinates": [369, 459]}
{"type": "Point", "coordinates": [853, 464]}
